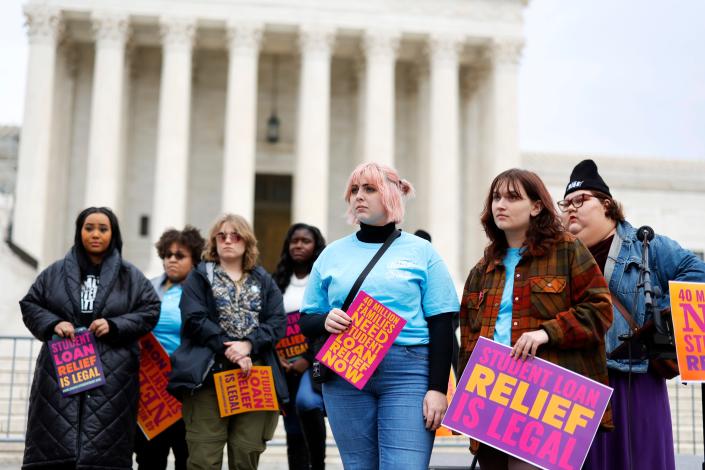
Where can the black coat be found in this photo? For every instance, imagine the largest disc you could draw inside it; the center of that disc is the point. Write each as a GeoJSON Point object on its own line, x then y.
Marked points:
{"type": "Point", "coordinates": [93, 429]}
{"type": "Point", "coordinates": [202, 337]}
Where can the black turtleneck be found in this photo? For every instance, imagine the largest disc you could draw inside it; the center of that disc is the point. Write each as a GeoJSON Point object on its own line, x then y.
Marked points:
{"type": "Point", "coordinates": [374, 233]}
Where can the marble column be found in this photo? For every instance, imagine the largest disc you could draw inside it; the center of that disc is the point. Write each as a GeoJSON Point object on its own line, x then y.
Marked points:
{"type": "Point", "coordinates": [310, 204]}
{"type": "Point", "coordinates": [241, 120]}
{"type": "Point", "coordinates": [173, 130]}
{"type": "Point", "coordinates": [104, 173]}
{"type": "Point", "coordinates": [444, 165]}
{"type": "Point", "coordinates": [473, 185]}
{"type": "Point", "coordinates": [380, 48]}
{"type": "Point", "coordinates": [501, 148]}
{"type": "Point", "coordinates": [44, 28]}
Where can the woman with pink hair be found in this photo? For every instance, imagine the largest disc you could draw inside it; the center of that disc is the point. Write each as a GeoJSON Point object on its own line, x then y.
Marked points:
{"type": "Point", "coordinates": [390, 423]}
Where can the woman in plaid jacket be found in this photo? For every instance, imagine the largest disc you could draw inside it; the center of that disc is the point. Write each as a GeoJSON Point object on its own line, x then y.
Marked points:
{"type": "Point", "coordinates": [537, 289]}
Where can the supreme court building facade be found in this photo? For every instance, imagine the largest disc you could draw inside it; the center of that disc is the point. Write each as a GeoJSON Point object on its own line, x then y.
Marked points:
{"type": "Point", "coordinates": [172, 112]}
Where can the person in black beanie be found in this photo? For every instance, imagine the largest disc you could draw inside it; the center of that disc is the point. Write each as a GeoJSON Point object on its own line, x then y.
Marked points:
{"type": "Point", "coordinates": [642, 437]}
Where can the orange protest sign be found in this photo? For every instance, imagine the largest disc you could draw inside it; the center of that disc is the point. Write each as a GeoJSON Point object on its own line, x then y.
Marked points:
{"type": "Point", "coordinates": [240, 394]}
{"type": "Point", "coordinates": [688, 313]}
{"type": "Point", "coordinates": [157, 408]}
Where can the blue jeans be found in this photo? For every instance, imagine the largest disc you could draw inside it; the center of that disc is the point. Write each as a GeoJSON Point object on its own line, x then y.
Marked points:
{"type": "Point", "coordinates": [307, 398]}
{"type": "Point", "coordinates": [304, 398]}
{"type": "Point", "coordinates": [382, 425]}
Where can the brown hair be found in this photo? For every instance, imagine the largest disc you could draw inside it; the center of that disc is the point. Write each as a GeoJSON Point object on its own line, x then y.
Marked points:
{"type": "Point", "coordinates": [249, 259]}
{"type": "Point", "coordinates": [189, 237]}
{"type": "Point", "coordinates": [544, 229]}
{"type": "Point", "coordinates": [613, 209]}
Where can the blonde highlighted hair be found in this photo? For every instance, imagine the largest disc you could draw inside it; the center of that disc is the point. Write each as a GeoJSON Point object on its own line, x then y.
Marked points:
{"type": "Point", "coordinates": [393, 189]}
{"type": "Point", "coordinates": [242, 228]}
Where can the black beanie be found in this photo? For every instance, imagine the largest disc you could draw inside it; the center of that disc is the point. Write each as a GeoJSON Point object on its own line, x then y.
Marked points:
{"type": "Point", "coordinates": [585, 176]}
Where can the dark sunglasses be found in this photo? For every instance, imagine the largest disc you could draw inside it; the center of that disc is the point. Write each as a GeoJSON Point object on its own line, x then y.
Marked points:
{"type": "Point", "coordinates": [178, 255]}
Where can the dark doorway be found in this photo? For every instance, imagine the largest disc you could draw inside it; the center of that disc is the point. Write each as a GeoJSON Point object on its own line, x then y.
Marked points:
{"type": "Point", "coordinates": [272, 216]}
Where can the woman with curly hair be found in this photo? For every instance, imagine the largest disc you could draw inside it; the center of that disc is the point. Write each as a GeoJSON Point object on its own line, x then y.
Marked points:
{"type": "Point", "coordinates": [537, 289]}
{"type": "Point", "coordinates": [232, 316]}
{"type": "Point", "coordinates": [180, 251]}
{"type": "Point", "coordinates": [304, 420]}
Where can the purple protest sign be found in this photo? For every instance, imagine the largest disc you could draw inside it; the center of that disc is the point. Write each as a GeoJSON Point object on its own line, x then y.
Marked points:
{"type": "Point", "coordinates": [355, 354]}
{"type": "Point", "coordinates": [77, 363]}
{"type": "Point", "coordinates": [534, 410]}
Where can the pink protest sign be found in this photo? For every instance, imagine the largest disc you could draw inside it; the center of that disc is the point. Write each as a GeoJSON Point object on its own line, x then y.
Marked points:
{"type": "Point", "coordinates": [355, 354]}
{"type": "Point", "coordinates": [77, 363]}
{"type": "Point", "coordinates": [534, 410]}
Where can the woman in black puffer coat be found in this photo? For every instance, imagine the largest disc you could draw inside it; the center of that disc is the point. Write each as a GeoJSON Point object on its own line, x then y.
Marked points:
{"type": "Point", "coordinates": [95, 288]}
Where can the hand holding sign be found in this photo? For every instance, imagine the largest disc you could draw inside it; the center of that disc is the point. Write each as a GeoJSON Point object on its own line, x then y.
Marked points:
{"type": "Point", "coordinates": [528, 343]}
{"type": "Point", "coordinates": [337, 321]}
{"type": "Point", "coordinates": [100, 327]}
{"type": "Point", "coordinates": [64, 329]}
{"type": "Point", "coordinates": [238, 352]}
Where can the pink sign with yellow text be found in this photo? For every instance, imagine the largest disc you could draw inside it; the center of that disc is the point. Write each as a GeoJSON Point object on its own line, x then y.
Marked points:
{"type": "Point", "coordinates": [355, 354]}
{"type": "Point", "coordinates": [534, 410]}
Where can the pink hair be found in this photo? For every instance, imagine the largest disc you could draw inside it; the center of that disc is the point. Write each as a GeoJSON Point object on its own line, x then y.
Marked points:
{"type": "Point", "coordinates": [393, 189]}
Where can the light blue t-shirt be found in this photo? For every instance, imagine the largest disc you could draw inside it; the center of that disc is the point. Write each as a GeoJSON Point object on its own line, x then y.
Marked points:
{"type": "Point", "coordinates": [410, 279]}
{"type": "Point", "coordinates": [168, 329]}
{"type": "Point", "coordinates": [503, 326]}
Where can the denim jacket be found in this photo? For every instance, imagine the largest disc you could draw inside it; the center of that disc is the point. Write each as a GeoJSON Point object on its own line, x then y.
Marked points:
{"type": "Point", "coordinates": [668, 261]}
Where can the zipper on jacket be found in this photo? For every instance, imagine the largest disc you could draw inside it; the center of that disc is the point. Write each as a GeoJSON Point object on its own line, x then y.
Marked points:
{"type": "Point", "coordinates": [80, 425]}
{"type": "Point", "coordinates": [203, 379]}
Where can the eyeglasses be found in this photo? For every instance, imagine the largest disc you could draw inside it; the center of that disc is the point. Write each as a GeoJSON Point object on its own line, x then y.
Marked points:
{"type": "Point", "coordinates": [178, 255]}
{"type": "Point", "coordinates": [576, 202]}
{"type": "Point", "coordinates": [222, 237]}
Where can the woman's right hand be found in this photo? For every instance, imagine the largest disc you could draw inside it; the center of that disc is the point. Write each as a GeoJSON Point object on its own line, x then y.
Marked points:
{"type": "Point", "coordinates": [337, 321]}
{"type": "Point", "coordinates": [283, 363]}
{"type": "Point", "coordinates": [65, 329]}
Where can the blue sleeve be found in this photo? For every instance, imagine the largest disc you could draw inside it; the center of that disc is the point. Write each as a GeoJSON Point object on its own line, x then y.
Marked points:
{"type": "Point", "coordinates": [438, 292]}
{"type": "Point", "coordinates": [675, 264]}
{"type": "Point", "coordinates": [316, 293]}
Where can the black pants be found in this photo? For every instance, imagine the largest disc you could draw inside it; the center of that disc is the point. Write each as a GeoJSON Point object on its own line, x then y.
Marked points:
{"type": "Point", "coordinates": [152, 455]}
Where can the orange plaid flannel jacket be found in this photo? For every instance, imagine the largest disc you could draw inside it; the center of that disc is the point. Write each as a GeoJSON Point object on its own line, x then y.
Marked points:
{"type": "Point", "coordinates": [563, 292]}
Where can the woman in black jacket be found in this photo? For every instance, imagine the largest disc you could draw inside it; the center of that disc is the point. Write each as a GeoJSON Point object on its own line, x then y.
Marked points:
{"type": "Point", "coordinates": [232, 316]}
{"type": "Point", "coordinates": [91, 287]}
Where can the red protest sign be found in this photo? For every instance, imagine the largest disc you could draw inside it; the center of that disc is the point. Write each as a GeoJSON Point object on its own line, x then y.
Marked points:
{"type": "Point", "coordinates": [240, 394]}
{"type": "Point", "coordinates": [157, 408]}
